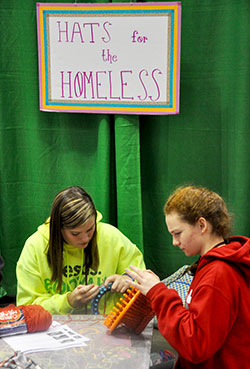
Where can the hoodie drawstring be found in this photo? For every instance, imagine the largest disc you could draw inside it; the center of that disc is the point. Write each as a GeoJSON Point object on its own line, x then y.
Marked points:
{"type": "Point", "coordinates": [81, 265]}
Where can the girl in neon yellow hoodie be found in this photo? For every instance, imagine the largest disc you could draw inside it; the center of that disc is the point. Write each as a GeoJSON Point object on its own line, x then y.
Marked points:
{"type": "Point", "coordinates": [65, 261]}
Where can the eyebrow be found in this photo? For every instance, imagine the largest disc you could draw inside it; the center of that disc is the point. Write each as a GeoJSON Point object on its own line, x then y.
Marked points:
{"type": "Point", "coordinates": [90, 227]}
{"type": "Point", "coordinates": [174, 231]}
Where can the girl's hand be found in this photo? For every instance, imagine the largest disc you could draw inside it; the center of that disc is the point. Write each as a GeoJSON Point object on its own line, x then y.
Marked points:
{"type": "Point", "coordinates": [146, 279]}
{"type": "Point", "coordinates": [82, 294]}
{"type": "Point", "coordinates": [120, 282]}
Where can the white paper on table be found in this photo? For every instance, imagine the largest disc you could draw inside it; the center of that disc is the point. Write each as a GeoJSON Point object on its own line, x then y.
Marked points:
{"type": "Point", "coordinates": [57, 337]}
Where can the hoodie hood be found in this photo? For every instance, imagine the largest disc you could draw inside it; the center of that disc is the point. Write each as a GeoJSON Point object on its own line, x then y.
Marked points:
{"type": "Point", "coordinates": [236, 252]}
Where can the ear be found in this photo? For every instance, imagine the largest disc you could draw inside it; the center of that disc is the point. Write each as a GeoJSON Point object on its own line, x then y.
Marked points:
{"type": "Point", "coordinates": [202, 224]}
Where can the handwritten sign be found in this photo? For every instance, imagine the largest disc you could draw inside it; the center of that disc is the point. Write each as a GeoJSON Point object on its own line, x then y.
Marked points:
{"type": "Point", "coordinates": [119, 58]}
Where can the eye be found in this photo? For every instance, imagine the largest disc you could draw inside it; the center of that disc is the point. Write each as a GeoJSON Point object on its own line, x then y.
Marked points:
{"type": "Point", "coordinates": [75, 233]}
{"type": "Point", "coordinates": [90, 229]}
{"type": "Point", "coordinates": [177, 233]}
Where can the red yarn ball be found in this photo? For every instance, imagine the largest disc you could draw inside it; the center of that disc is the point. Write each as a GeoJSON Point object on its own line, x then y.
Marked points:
{"type": "Point", "coordinates": [36, 317]}
{"type": "Point", "coordinates": [22, 319]}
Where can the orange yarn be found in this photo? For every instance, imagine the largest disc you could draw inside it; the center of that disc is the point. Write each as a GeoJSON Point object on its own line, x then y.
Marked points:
{"type": "Point", "coordinates": [37, 318]}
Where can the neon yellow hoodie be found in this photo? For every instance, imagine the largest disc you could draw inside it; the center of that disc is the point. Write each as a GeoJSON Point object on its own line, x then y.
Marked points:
{"type": "Point", "coordinates": [34, 286]}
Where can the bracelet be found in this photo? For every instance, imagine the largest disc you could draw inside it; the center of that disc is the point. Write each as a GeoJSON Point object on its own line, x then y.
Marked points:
{"type": "Point", "coordinates": [129, 276]}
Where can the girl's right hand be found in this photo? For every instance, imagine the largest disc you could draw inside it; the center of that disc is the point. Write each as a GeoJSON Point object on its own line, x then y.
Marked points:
{"type": "Point", "coordinates": [145, 279]}
{"type": "Point", "coordinates": [82, 294]}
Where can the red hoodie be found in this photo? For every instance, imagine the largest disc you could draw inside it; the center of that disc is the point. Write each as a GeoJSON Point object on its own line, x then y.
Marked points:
{"type": "Point", "coordinates": [213, 330]}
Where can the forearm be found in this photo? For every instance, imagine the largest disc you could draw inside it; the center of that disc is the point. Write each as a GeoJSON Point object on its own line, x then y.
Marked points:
{"type": "Point", "coordinates": [191, 331]}
{"type": "Point", "coordinates": [55, 304]}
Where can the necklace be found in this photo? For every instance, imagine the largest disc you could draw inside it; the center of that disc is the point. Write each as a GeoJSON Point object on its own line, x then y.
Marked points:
{"type": "Point", "coordinates": [194, 266]}
{"type": "Point", "coordinates": [220, 243]}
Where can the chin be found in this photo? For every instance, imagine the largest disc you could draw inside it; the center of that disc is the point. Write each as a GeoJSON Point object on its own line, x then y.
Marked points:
{"type": "Point", "coordinates": [81, 246]}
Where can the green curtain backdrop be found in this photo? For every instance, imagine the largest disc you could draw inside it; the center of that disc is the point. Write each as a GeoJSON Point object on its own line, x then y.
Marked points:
{"type": "Point", "coordinates": [129, 164]}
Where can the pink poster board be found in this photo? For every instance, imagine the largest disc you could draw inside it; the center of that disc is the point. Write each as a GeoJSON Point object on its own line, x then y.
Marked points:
{"type": "Point", "coordinates": [116, 58]}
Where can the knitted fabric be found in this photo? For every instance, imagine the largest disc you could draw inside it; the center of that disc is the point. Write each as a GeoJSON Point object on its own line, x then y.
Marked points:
{"type": "Point", "coordinates": [180, 281]}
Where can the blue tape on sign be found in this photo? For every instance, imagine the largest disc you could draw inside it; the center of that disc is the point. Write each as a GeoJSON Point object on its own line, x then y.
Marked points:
{"type": "Point", "coordinates": [96, 299]}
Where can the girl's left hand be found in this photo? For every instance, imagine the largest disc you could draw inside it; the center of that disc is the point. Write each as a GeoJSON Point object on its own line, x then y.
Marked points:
{"type": "Point", "coordinates": [120, 282]}
{"type": "Point", "coordinates": [146, 279]}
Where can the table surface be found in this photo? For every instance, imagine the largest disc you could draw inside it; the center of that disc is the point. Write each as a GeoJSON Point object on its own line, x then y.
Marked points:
{"type": "Point", "coordinates": [119, 350]}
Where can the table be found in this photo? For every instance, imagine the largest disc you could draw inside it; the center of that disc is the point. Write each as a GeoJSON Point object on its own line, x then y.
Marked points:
{"type": "Point", "coordinates": [119, 350]}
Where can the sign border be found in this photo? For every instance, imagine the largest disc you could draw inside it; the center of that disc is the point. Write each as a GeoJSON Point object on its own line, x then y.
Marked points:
{"type": "Point", "coordinates": [43, 9]}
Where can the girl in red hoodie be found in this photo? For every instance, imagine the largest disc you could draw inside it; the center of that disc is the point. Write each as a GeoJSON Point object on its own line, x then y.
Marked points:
{"type": "Point", "coordinates": [213, 330]}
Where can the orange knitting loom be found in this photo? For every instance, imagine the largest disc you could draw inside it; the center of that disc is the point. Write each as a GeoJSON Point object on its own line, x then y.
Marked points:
{"type": "Point", "coordinates": [134, 311]}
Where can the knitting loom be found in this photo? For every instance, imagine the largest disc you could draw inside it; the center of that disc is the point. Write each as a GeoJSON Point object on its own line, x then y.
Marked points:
{"type": "Point", "coordinates": [133, 311]}
{"type": "Point", "coordinates": [96, 299]}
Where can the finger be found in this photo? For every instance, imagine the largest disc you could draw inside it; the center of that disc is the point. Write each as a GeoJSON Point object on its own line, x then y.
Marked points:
{"type": "Point", "coordinates": [94, 292]}
{"type": "Point", "coordinates": [88, 287]}
{"type": "Point", "coordinates": [87, 290]}
{"type": "Point", "coordinates": [118, 284]}
{"type": "Point", "coordinates": [150, 271]}
{"type": "Point", "coordinates": [88, 295]}
{"type": "Point", "coordinates": [126, 286]}
{"type": "Point", "coordinates": [131, 274]}
{"type": "Point", "coordinates": [136, 271]}
{"type": "Point", "coordinates": [114, 286]}
{"type": "Point", "coordinates": [108, 280]}
{"type": "Point", "coordinates": [134, 268]}
{"type": "Point", "coordinates": [136, 285]}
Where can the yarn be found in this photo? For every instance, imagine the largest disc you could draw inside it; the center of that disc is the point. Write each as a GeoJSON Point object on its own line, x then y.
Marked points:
{"type": "Point", "coordinates": [23, 319]}
{"type": "Point", "coordinates": [37, 318]}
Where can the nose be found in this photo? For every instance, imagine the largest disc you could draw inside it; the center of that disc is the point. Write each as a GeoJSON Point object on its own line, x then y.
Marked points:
{"type": "Point", "coordinates": [84, 238]}
{"type": "Point", "coordinates": [175, 242]}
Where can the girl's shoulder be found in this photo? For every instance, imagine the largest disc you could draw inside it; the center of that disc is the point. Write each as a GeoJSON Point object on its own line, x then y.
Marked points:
{"type": "Point", "coordinates": [38, 241]}
{"type": "Point", "coordinates": [109, 233]}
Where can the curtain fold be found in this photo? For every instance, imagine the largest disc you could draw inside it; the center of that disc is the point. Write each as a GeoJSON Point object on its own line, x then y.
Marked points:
{"type": "Point", "coordinates": [128, 178]}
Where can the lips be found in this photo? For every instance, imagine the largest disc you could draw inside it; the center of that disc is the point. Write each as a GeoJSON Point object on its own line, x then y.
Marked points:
{"type": "Point", "coordinates": [83, 244]}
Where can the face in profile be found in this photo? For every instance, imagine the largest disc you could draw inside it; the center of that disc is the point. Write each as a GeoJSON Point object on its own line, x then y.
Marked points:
{"type": "Point", "coordinates": [80, 237]}
{"type": "Point", "coordinates": [186, 236]}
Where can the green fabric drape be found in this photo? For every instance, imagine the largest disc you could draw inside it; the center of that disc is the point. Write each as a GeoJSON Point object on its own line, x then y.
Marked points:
{"type": "Point", "coordinates": [129, 164]}
{"type": "Point", "coordinates": [128, 178]}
